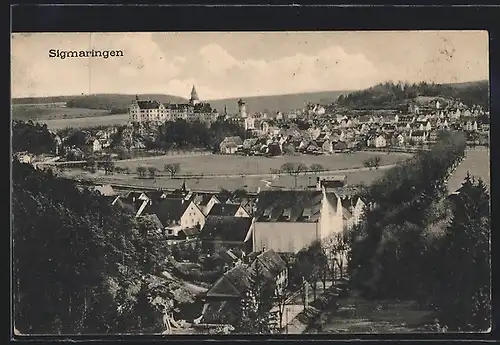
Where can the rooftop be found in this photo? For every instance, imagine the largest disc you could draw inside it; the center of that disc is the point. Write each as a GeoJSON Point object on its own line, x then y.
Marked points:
{"type": "Point", "coordinates": [288, 206]}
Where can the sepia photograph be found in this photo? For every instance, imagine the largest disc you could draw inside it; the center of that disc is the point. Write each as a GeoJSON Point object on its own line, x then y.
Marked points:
{"type": "Point", "coordinates": [233, 183]}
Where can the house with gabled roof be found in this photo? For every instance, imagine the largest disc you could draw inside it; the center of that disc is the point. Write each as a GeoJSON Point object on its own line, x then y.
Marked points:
{"type": "Point", "coordinates": [287, 221]}
{"type": "Point", "coordinates": [176, 214]}
{"type": "Point", "coordinates": [205, 201]}
{"type": "Point", "coordinates": [229, 210]}
{"type": "Point", "coordinates": [227, 232]}
{"type": "Point", "coordinates": [230, 145]}
{"type": "Point", "coordinates": [223, 301]}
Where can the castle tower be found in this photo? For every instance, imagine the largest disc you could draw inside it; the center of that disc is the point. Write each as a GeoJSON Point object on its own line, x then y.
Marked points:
{"type": "Point", "coordinates": [194, 97]}
{"type": "Point", "coordinates": [242, 108]}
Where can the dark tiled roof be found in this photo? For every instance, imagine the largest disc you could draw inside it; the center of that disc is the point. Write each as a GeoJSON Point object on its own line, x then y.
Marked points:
{"type": "Point", "coordinates": [346, 213]}
{"type": "Point", "coordinates": [221, 312]}
{"type": "Point", "coordinates": [272, 262]}
{"type": "Point", "coordinates": [203, 108]}
{"type": "Point", "coordinates": [155, 195]}
{"type": "Point", "coordinates": [225, 228]}
{"type": "Point", "coordinates": [271, 206]}
{"type": "Point", "coordinates": [228, 210]}
{"type": "Point", "coordinates": [191, 231]}
{"type": "Point", "coordinates": [202, 199]}
{"type": "Point", "coordinates": [234, 283]}
{"type": "Point", "coordinates": [168, 210]}
{"type": "Point", "coordinates": [148, 104]}
{"type": "Point", "coordinates": [177, 106]}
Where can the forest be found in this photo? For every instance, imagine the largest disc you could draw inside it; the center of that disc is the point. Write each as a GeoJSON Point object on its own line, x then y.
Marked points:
{"type": "Point", "coordinates": [394, 95]}
{"type": "Point", "coordinates": [188, 135]}
{"type": "Point", "coordinates": [34, 138]}
{"type": "Point", "coordinates": [420, 243]}
{"type": "Point", "coordinates": [81, 266]}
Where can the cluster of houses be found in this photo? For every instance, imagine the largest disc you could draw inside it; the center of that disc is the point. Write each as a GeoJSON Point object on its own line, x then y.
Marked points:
{"type": "Point", "coordinates": [329, 133]}
{"type": "Point", "coordinates": [255, 228]}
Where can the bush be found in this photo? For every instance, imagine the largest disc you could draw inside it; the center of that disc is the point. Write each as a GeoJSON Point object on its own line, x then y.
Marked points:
{"type": "Point", "coordinates": [195, 273]}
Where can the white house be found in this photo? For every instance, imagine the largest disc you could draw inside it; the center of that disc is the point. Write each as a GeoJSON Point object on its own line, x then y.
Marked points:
{"type": "Point", "coordinates": [380, 141]}
{"type": "Point", "coordinates": [176, 214]}
{"type": "Point", "coordinates": [287, 221]}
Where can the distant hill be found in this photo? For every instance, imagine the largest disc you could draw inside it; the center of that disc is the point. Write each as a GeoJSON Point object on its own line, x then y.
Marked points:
{"type": "Point", "coordinates": [379, 95]}
{"type": "Point", "coordinates": [97, 101]}
{"type": "Point", "coordinates": [394, 95]}
{"type": "Point", "coordinates": [278, 102]}
{"type": "Point", "coordinates": [118, 102]}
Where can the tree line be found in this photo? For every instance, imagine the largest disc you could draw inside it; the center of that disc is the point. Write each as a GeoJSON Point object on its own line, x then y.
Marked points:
{"type": "Point", "coordinates": [392, 94]}
{"type": "Point", "coordinates": [419, 243]}
{"type": "Point", "coordinates": [82, 266]}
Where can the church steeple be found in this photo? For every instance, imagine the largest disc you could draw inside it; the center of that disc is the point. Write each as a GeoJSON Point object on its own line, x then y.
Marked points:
{"type": "Point", "coordinates": [194, 96]}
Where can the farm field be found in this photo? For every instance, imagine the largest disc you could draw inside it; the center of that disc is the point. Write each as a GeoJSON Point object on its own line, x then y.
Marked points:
{"type": "Point", "coordinates": [247, 165]}
{"type": "Point", "coordinates": [92, 121]}
{"type": "Point", "coordinates": [48, 114]}
{"type": "Point", "coordinates": [477, 163]}
{"type": "Point", "coordinates": [250, 183]}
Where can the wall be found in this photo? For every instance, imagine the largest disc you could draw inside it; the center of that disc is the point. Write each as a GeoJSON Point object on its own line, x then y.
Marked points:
{"type": "Point", "coordinates": [330, 220]}
{"type": "Point", "coordinates": [284, 237]}
{"type": "Point", "coordinates": [192, 216]}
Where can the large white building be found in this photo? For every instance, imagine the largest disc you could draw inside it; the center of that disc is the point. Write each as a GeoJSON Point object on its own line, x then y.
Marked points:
{"type": "Point", "coordinates": [153, 111]}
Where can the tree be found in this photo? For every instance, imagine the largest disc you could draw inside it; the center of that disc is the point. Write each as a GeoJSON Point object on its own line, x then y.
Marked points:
{"type": "Point", "coordinates": [316, 168]}
{"type": "Point", "coordinates": [464, 299]}
{"type": "Point", "coordinates": [152, 171]}
{"type": "Point", "coordinates": [108, 165]}
{"type": "Point", "coordinates": [91, 164]}
{"type": "Point", "coordinates": [294, 169]}
{"type": "Point", "coordinates": [256, 306]}
{"type": "Point", "coordinates": [141, 171]}
{"type": "Point", "coordinates": [172, 168]}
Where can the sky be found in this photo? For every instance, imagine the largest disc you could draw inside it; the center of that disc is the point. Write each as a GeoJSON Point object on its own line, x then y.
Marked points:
{"type": "Point", "coordinates": [239, 64]}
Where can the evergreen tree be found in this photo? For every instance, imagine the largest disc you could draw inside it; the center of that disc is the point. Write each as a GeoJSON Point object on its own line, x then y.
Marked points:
{"type": "Point", "coordinates": [464, 296]}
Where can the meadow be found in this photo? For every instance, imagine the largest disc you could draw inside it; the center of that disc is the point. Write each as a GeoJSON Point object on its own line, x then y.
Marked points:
{"type": "Point", "coordinates": [476, 162]}
{"type": "Point", "coordinates": [56, 113]}
{"type": "Point", "coordinates": [90, 121]}
{"type": "Point", "coordinates": [218, 164]}
{"type": "Point", "coordinates": [229, 165]}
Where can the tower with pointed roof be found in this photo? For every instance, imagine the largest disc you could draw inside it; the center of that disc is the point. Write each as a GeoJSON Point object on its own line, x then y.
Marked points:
{"type": "Point", "coordinates": [194, 97]}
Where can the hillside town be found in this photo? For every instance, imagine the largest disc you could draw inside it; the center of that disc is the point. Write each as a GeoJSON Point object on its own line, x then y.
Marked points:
{"type": "Point", "coordinates": [245, 235]}
{"type": "Point", "coordinates": [315, 130]}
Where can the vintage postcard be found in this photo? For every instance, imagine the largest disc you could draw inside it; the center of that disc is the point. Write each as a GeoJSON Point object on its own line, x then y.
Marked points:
{"type": "Point", "coordinates": [250, 182]}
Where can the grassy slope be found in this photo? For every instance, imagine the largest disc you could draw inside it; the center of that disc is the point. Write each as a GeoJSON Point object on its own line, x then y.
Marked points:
{"type": "Point", "coordinates": [112, 98]}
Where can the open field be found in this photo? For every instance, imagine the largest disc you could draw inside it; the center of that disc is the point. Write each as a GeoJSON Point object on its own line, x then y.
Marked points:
{"type": "Point", "coordinates": [48, 114]}
{"type": "Point", "coordinates": [98, 120]}
{"type": "Point", "coordinates": [477, 162]}
{"type": "Point", "coordinates": [247, 165]}
{"type": "Point", "coordinates": [250, 183]}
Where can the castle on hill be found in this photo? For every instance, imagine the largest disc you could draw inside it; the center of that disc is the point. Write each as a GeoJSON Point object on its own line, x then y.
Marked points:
{"type": "Point", "coordinates": [151, 111]}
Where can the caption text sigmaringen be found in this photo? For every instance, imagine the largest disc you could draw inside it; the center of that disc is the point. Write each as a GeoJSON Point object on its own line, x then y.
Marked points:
{"type": "Point", "coordinates": [63, 54]}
